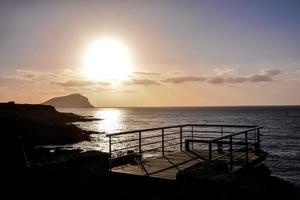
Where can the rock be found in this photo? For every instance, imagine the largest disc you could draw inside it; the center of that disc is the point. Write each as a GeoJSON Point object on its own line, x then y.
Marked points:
{"type": "Point", "coordinates": [70, 175]}
{"type": "Point", "coordinates": [70, 101]}
{"type": "Point", "coordinates": [204, 171]}
{"type": "Point", "coordinates": [37, 113]}
{"type": "Point", "coordinates": [212, 180]}
{"type": "Point", "coordinates": [24, 126]}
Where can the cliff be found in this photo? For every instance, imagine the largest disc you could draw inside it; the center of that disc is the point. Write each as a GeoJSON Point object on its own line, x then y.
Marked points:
{"type": "Point", "coordinates": [70, 101]}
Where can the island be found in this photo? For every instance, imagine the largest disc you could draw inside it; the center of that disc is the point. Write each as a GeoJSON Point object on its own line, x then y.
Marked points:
{"type": "Point", "coordinates": [70, 101]}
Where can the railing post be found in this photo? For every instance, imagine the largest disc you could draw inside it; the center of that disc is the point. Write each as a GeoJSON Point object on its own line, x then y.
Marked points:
{"type": "Point", "coordinates": [220, 143]}
{"type": "Point", "coordinates": [230, 154]}
{"type": "Point", "coordinates": [209, 151]}
{"type": "Point", "coordinates": [246, 145]}
{"type": "Point", "coordinates": [140, 145]}
{"type": "Point", "coordinates": [163, 142]}
{"type": "Point", "coordinates": [222, 131]}
{"type": "Point", "coordinates": [258, 138]}
{"type": "Point", "coordinates": [192, 137]}
{"type": "Point", "coordinates": [180, 138]}
{"type": "Point", "coordinates": [109, 151]}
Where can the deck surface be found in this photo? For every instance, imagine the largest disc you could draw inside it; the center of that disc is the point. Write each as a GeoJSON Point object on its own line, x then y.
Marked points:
{"type": "Point", "coordinates": [168, 166]}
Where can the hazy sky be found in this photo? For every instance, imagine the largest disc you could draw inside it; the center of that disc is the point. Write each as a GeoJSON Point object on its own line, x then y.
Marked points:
{"type": "Point", "coordinates": [184, 52]}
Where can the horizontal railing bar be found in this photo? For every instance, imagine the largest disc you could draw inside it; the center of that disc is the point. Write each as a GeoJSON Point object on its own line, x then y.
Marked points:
{"type": "Point", "coordinates": [144, 130]}
{"type": "Point", "coordinates": [242, 147]}
{"type": "Point", "coordinates": [178, 126]}
{"type": "Point", "coordinates": [223, 146]}
{"type": "Point", "coordinates": [172, 139]}
{"type": "Point", "coordinates": [136, 139]}
{"type": "Point", "coordinates": [161, 147]}
{"type": "Point", "coordinates": [203, 137]}
{"type": "Point", "coordinates": [130, 140]}
{"type": "Point", "coordinates": [172, 144]}
{"type": "Point", "coordinates": [156, 142]}
{"type": "Point", "coordinates": [153, 136]}
{"type": "Point", "coordinates": [130, 147]}
{"type": "Point", "coordinates": [221, 156]}
{"type": "Point", "coordinates": [166, 134]}
{"type": "Point", "coordinates": [222, 125]}
{"type": "Point", "coordinates": [233, 150]}
{"type": "Point", "coordinates": [151, 149]}
{"type": "Point", "coordinates": [234, 134]}
{"type": "Point", "coordinates": [195, 131]}
{"type": "Point", "coordinates": [151, 143]}
{"type": "Point", "coordinates": [160, 142]}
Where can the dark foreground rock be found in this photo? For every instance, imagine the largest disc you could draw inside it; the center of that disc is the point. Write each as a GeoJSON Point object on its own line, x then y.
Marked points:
{"type": "Point", "coordinates": [25, 126]}
{"type": "Point", "coordinates": [69, 174]}
{"type": "Point", "coordinates": [213, 180]}
{"type": "Point", "coordinates": [87, 176]}
{"type": "Point", "coordinates": [73, 168]}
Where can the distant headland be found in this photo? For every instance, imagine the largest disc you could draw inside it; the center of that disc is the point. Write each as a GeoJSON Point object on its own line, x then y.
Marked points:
{"type": "Point", "coordinates": [70, 101]}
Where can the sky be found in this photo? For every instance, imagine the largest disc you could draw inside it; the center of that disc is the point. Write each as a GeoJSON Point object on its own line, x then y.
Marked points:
{"type": "Point", "coordinates": [183, 53]}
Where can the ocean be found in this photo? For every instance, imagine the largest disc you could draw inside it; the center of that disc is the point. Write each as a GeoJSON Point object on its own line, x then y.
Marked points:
{"type": "Point", "coordinates": [280, 133]}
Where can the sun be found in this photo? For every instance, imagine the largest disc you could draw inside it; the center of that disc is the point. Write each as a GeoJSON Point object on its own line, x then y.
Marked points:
{"type": "Point", "coordinates": [107, 59]}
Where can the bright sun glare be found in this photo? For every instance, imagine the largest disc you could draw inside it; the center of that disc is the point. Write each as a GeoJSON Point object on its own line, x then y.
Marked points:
{"type": "Point", "coordinates": [107, 59]}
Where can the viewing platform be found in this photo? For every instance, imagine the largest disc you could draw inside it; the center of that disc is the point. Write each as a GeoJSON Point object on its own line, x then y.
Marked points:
{"type": "Point", "coordinates": [163, 152]}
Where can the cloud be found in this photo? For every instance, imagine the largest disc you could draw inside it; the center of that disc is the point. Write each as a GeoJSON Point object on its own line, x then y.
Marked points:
{"type": "Point", "coordinates": [228, 76]}
{"type": "Point", "coordinates": [183, 79]}
{"type": "Point", "coordinates": [74, 83]}
{"type": "Point", "coordinates": [145, 82]}
{"type": "Point", "coordinates": [264, 76]}
{"type": "Point", "coordinates": [24, 75]}
{"type": "Point", "coordinates": [216, 80]}
{"type": "Point", "coordinates": [145, 73]}
{"type": "Point", "coordinates": [259, 78]}
{"type": "Point", "coordinates": [234, 80]}
{"type": "Point", "coordinates": [271, 72]}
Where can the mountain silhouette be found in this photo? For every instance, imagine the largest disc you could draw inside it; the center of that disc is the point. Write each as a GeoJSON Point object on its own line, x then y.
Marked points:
{"type": "Point", "coordinates": [70, 101]}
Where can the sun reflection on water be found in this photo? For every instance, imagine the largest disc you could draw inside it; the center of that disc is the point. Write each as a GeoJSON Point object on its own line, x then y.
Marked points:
{"type": "Point", "coordinates": [111, 120]}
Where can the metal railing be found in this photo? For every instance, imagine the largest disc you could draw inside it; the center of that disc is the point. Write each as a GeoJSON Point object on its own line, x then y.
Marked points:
{"type": "Point", "coordinates": [221, 141]}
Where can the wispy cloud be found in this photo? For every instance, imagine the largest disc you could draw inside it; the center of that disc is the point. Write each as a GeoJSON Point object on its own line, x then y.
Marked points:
{"type": "Point", "coordinates": [227, 76]}
{"type": "Point", "coordinates": [184, 79]}
{"type": "Point", "coordinates": [24, 75]}
{"type": "Point", "coordinates": [74, 83]}
{"type": "Point", "coordinates": [145, 82]}
{"type": "Point", "coordinates": [145, 73]}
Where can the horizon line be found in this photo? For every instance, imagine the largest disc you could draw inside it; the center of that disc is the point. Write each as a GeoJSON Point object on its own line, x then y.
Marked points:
{"type": "Point", "coordinates": [275, 105]}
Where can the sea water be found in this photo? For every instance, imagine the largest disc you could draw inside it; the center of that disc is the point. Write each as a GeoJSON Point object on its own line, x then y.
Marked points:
{"type": "Point", "coordinates": [280, 133]}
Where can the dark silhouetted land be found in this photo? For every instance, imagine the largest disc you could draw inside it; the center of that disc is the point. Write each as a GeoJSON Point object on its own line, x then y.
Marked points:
{"type": "Point", "coordinates": [39, 173]}
{"type": "Point", "coordinates": [70, 101]}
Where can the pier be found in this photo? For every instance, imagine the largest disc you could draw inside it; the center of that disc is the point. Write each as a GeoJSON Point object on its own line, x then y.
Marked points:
{"type": "Point", "coordinates": [163, 152]}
